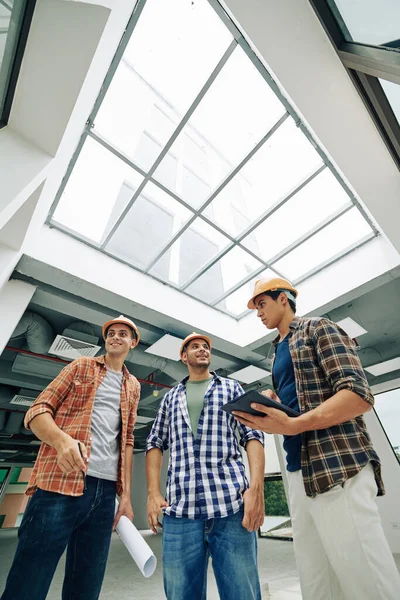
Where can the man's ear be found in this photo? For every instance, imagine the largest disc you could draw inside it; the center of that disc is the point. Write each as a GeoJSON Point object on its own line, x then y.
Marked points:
{"type": "Point", "coordinates": [184, 358]}
{"type": "Point", "coordinates": [283, 298]}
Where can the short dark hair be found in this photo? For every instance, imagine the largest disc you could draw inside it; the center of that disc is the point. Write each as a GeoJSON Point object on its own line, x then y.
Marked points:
{"type": "Point", "coordinates": [275, 295]}
{"type": "Point", "coordinates": [184, 349]}
{"type": "Point", "coordinates": [133, 332]}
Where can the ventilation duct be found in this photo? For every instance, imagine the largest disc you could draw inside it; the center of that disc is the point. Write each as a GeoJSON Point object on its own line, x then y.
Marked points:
{"type": "Point", "coordinates": [34, 366]}
{"type": "Point", "coordinates": [25, 398]}
{"type": "Point", "coordinates": [7, 393]}
{"type": "Point", "coordinates": [76, 341]}
{"type": "Point", "coordinates": [176, 370]}
{"type": "Point", "coordinates": [36, 331]}
{"type": "Point", "coordinates": [3, 418]}
{"type": "Point", "coordinates": [14, 423]}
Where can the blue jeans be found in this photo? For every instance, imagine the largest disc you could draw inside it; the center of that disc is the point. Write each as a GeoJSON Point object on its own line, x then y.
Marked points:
{"type": "Point", "coordinates": [187, 546]}
{"type": "Point", "coordinates": [51, 523]}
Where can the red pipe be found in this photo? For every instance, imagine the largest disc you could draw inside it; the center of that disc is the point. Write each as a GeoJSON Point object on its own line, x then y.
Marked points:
{"type": "Point", "coordinates": [66, 362]}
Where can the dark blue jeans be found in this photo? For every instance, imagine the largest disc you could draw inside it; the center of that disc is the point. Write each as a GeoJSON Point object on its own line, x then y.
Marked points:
{"type": "Point", "coordinates": [50, 524]}
{"type": "Point", "coordinates": [187, 546]}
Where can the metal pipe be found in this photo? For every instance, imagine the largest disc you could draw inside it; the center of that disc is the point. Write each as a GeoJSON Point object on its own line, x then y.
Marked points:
{"type": "Point", "coordinates": [66, 362]}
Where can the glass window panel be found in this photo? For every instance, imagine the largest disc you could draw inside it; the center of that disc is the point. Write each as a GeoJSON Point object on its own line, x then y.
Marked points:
{"type": "Point", "coordinates": [277, 523]}
{"type": "Point", "coordinates": [235, 266]}
{"type": "Point", "coordinates": [11, 16]}
{"type": "Point", "coordinates": [319, 199]}
{"type": "Point", "coordinates": [235, 113]}
{"type": "Point", "coordinates": [149, 225]}
{"type": "Point", "coordinates": [392, 91]}
{"type": "Point", "coordinates": [173, 50]}
{"type": "Point", "coordinates": [98, 189]}
{"type": "Point", "coordinates": [330, 241]}
{"type": "Point", "coordinates": [387, 406]}
{"type": "Point", "coordinates": [371, 21]}
{"type": "Point", "coordinates": [280, 165]}
{"type": "Point", "coordinates": [197, 245]}
{"type": "Point", "coordinates": [236, 303]}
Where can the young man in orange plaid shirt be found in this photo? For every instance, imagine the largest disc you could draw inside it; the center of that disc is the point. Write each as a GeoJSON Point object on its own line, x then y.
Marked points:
{"type": "Point", "coordinates": [85, 419]}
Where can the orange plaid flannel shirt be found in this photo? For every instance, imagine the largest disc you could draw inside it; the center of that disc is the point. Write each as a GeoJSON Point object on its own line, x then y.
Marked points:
{"type": "Point", "coordinates": [69, 398]}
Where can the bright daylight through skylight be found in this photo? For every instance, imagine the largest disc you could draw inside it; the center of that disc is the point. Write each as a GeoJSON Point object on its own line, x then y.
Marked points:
{"type": "Point", "coordinates": [192, 167]}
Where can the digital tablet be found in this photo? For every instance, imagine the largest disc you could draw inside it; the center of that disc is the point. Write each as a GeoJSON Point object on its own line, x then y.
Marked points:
{"type": "Point", "coordinates": [243, 404]}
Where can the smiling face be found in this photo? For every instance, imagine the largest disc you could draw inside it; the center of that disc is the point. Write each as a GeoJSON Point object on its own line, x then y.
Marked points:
{"type": "Point", "coordinates": [197, 354]}
{"type": "Point", "coordinates": [270, 311]}
{"type": "Point", "coordinates": [119, 340]}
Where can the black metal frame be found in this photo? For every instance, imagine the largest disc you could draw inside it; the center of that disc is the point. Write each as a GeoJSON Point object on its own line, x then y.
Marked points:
{"type": "Point", "coordinates": [260, 535]}
{"type": "Point", "coordinates": [366, 65]}
{"type": "Point", "coordinates": [19, 53]}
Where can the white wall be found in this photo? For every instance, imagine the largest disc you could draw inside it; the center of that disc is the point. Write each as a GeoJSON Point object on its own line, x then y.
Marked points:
{"type": "Point", "coordinates": [139, 487]}
{"type": "Point", "coordinates": [389, 506]}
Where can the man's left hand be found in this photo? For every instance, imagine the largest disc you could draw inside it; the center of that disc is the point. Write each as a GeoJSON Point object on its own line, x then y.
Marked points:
{"type": "Point", "coordinates": [124, 509]}
{"type": "Point", "coordinates": [253, 501]}
{"type": "Point", "coordinates": [275, 421]}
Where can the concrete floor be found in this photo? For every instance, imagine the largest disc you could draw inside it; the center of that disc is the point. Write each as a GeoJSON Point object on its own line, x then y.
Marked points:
{"type": "Point", "coordinates": [123, 580]}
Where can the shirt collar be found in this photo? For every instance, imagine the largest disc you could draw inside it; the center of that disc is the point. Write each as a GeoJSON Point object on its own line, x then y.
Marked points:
{"type": "Point", "coordinates": [295, 324]}
{"type": "Point", "coordinates": [213, 373]}
{"type": "Point", "coordinates": [101, 361]}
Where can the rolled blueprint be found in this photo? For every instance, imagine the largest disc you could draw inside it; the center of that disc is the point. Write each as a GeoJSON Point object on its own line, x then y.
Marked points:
{"type": "Point", "coordinates": [136, 546]}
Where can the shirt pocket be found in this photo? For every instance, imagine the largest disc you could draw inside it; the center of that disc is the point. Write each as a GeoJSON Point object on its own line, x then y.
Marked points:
{"type": "Point", "coordinates": [306, 355]}
{"type": "Point", "coordinates": [82, 390]}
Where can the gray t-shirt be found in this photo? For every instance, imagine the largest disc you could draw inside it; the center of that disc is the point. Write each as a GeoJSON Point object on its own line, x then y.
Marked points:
{"type": "Point", "coordinates": [106, 427]}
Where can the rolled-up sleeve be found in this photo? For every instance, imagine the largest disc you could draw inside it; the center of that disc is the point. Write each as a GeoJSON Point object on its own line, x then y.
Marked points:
{"type": "Point", "coordinates": [51, 398]}
{"type": "Point", "coordinates": [159, 434]}
{"type": "Point", "coordinates": [133, 414]}
{"type": "Point", "coordinates": [245, 433]}
{"type": "Point", "coordinates": [338, 358]}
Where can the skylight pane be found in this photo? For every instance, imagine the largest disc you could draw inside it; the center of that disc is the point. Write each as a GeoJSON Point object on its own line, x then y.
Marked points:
{"type": "Point", "coordinates": [319, 199]}
{"type": "Point", "coordinates": [174, 48]}
{"type": "Point", "coordinates": [151, 222]}
{"type": "Point", "coordinates": [11, 19]}
{"type": "Point", "coordinates": [97, 191]}
{"type": "Point", "coordinates": [236, 112]}
{"type": "Point", "coordinates": [236, 303]}
{"type": "Point", "coordinates": [370, 21]}
{"type": "Point", "coordinates": [198, 244]}
{"type": "Point", "coordinates": [330, 241]}
{"type": "Point", "coordinates": [392, 91]}
{"type": "Point", "coordinates": [285, 160]}
{"type": "Point", "coordinates": [250, 374]}
{"type": "Point", "coordinates": [235, 266]}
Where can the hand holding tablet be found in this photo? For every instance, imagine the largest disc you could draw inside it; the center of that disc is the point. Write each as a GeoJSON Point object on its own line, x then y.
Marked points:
{"type": "Point", "coordinates": [243, 404]}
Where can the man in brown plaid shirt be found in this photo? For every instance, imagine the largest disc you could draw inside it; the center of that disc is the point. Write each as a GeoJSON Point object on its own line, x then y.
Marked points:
{"type": "Point", "coordinates": [333, 471]}
{"type": "Point", "coordinates": [85, 419]}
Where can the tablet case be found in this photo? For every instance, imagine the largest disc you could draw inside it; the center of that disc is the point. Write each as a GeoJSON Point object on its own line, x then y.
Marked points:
{"type": "Point", "coordinates": [243, 404]}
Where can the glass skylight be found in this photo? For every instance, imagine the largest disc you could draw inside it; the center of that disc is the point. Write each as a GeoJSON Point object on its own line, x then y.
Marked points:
{"type": "Point", "coordinates": [194, 168]}
{"type": "Point", "coordinates": [392, 91]}
{"type": "Point", "coordinates": [373, 22]}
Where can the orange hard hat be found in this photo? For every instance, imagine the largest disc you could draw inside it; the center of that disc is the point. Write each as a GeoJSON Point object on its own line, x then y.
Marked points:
{"type": "Point", "coordinates": [194, 336]}
{"type": "Point", "coordinates": [277, 284]}
{"type": "Point", "coordinates": [124, 321]}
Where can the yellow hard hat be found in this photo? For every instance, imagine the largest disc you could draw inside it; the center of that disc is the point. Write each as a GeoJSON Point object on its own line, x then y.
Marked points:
{"type": "Point", "coordinates": [194, 336]}
{"type": "Point", "coordinates": [124, 321]}
{"type": "Point", "coordinates": [272, 285]}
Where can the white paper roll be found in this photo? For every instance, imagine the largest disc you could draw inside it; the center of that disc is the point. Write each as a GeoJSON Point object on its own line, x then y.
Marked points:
{"type": "Point", "coordinates": [136, 546]}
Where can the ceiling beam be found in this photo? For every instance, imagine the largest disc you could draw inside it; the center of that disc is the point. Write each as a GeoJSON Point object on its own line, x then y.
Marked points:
{"type": "Point", "coordinates": [379, 62]}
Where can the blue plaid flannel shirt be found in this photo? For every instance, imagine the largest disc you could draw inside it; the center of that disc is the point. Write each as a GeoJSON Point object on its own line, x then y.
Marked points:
{"type": "Point", "coordinates": [206, 475]}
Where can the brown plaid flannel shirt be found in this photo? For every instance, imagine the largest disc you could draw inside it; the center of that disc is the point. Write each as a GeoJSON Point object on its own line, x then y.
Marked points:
{"type": "Point", "coordinates": [69, 398]}
{"type": "Point", "coordinates": [325, 361]}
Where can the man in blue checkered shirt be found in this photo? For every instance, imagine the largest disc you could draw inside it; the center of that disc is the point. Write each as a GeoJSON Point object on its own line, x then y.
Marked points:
{"type": "Point", "coordinates": [209, 507]}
